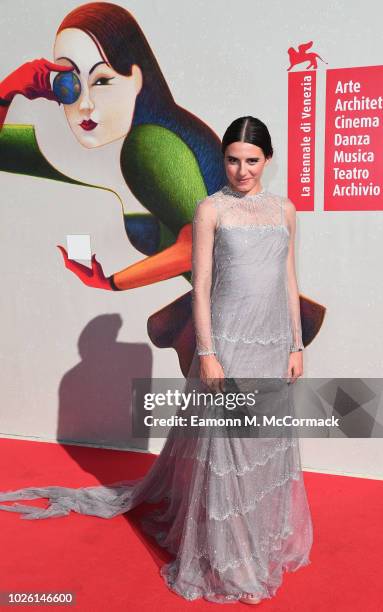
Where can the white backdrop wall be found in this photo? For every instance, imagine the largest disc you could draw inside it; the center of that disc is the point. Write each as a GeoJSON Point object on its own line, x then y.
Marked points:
{"type": "Point", "coordinates": [220, 64]}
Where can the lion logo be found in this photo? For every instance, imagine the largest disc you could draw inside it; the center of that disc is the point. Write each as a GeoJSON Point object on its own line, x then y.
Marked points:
{"type": "Point", "coordinates": [300, 56]}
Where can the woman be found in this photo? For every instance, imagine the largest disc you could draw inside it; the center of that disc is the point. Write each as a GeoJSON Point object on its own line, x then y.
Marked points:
{"type": "Point", "coordinates": [123, 95]}
{"type": "Point", "coordinates": [235, 512]}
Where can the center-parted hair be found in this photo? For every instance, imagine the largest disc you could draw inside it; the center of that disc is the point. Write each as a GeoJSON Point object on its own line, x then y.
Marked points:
{"type": "Point", "coordinates": [248, 129]}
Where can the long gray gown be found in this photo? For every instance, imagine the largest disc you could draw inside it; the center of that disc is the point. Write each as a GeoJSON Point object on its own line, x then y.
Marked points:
{"type": "Point", "coordinates": [235, 513]}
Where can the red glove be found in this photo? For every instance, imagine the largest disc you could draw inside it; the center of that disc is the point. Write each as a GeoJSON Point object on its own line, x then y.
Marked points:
{"type": "Point", "coordinates": [93, 277]}
{"type": "Point", "coordinates": [31, 80]}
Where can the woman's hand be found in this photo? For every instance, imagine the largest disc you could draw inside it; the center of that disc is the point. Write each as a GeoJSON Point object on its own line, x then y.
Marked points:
{"type": "Point", "coordinates": [31, 80]}
{"type": "Point", "coordinates": [295, 367]}
{"type": "Point", "coordinates": [211, 372]}
{"type": "Point", "coordinates": [93, 277]}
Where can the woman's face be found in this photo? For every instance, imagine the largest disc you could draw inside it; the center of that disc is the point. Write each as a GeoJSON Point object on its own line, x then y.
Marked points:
{"type": "Point", "coordinates": [244, 165]}
{"type": "Point", "coordinates": [103, 112]}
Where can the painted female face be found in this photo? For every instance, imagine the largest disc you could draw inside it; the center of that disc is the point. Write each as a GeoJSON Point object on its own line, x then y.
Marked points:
{"type": "Point", "coordinates": [104, 111]}
{"type": "Point", "coordinates": [244, 165]}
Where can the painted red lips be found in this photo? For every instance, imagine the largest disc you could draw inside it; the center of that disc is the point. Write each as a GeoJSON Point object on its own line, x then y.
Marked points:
{"type": "Point", "coordinates": [88, 125]}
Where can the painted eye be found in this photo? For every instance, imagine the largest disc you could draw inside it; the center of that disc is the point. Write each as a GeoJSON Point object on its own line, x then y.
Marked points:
{"type": "Point", "coordinates": [66, 87]}
{"type": "Point", "coordinates": [103, 81]}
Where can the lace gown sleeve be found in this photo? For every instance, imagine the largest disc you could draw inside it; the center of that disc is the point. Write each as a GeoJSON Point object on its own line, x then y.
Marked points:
{"type": "Point", "coordinates": [292, 285]}
{"type": "Point", "coordinates": [204, 224]}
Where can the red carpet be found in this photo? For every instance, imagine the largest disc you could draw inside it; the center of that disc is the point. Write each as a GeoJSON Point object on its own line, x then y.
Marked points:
{"type": "Point", "coordinates": [111, 565]}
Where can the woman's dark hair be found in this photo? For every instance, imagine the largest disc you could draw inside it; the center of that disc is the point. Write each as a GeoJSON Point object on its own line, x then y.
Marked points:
{"type": "Point", "coordinates": [251, 130]}
{"type": "Point", "coordinates": [118, 36]}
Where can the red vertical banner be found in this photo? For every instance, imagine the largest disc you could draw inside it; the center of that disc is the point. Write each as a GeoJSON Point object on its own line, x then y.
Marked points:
{"type": "Point", "coordinates": [353, 178]}
{"type": "Point", "coordinates": [301, 138]}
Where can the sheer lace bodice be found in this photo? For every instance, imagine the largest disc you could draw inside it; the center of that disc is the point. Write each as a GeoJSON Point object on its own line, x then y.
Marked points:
{"type": "Point", "coordinates": [243, 273]}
